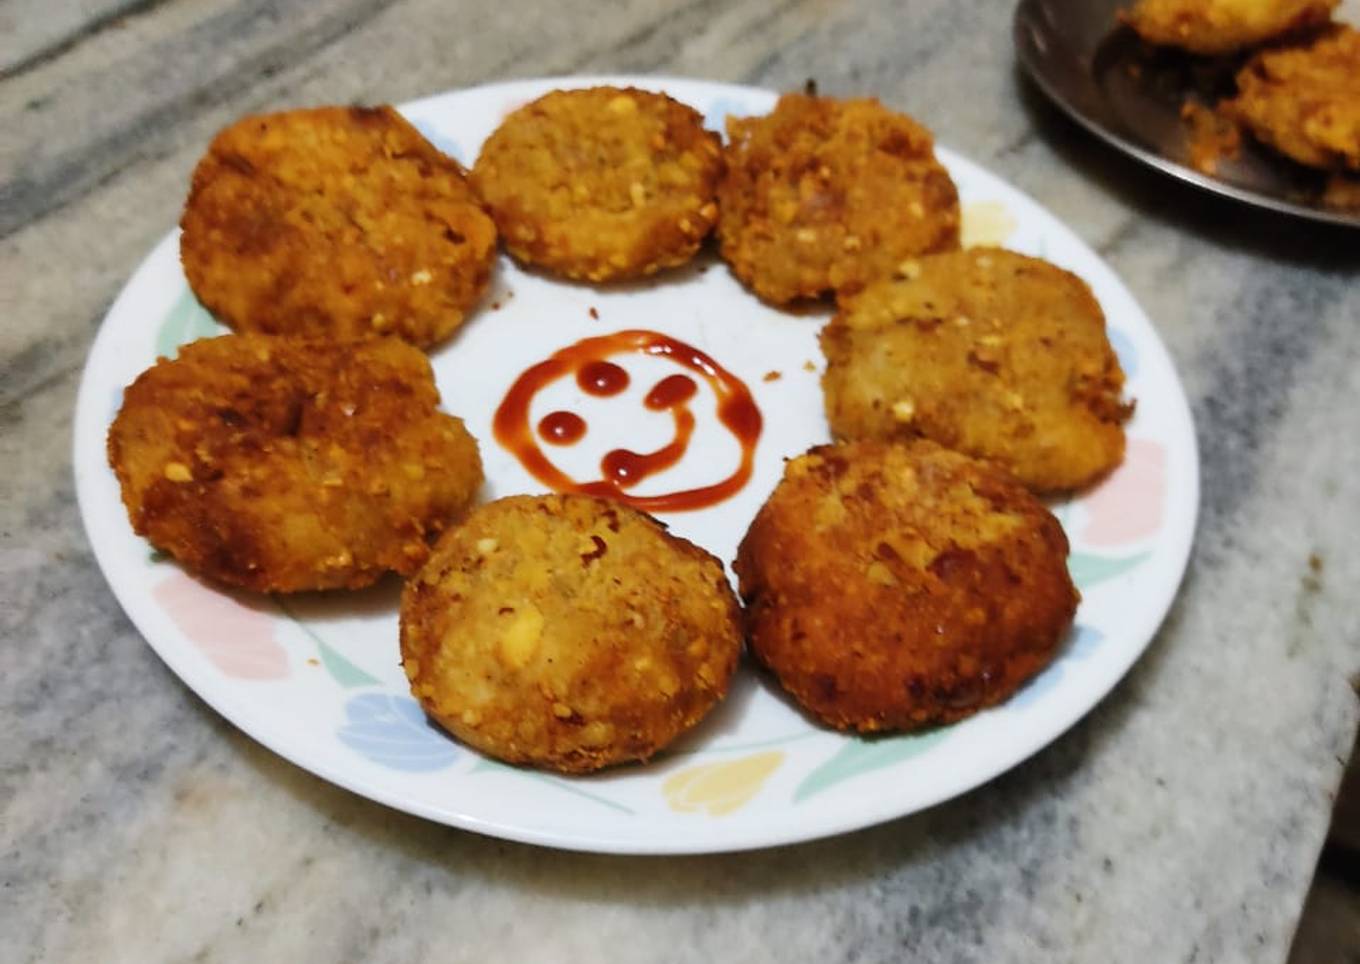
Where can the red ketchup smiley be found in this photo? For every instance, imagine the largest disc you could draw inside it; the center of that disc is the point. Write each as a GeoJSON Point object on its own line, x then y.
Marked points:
{"type": "Point", "coordinates": [622, 469]}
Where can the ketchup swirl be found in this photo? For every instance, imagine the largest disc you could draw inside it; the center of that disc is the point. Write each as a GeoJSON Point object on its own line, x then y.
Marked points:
{"type": "Point", "coordinates": [623, 468]}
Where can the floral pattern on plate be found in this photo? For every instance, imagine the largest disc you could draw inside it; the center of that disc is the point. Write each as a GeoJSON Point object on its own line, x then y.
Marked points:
{"type": "Point", "coordinates": [319, 679]}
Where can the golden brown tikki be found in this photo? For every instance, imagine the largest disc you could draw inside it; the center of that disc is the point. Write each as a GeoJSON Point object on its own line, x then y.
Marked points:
{"type": "Point", "coordinates": [281, 464]}
{"type": "Point", "coordinates": [1305, 101]}
{"type": "Point", "coordinates": [891, 586]}
{"type": "Point", "coordinates": [568, 632]}
{"type": "Point", "coordinates": [601, 184]}
{"type": "Point", "coordinates": [1215, 27]}
{"type": "Point", "coordinates": [826, 195]}
{"type": "Point", "coordinates": [339, 222]}
{"type": "Point", "coordinates": [985, 351]}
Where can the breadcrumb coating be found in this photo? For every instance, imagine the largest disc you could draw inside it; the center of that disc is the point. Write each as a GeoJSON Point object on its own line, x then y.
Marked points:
{"type": "Point", "coordinates": [568, 632]}
{"type": "Point", "coordinates": [601, 184]}
{"type": "Point", "coordinates": [985, 351]}
{"type": "Point", "coordinates": [338, 222]}
{"type": "Point", "coordinates": [1304, 101]}
{"type": "Point", "coordinates": [1218, 27]}
{"type": "Point", "coordinates": [283, 465]}
{"type": "Point", "coordinates": [826, 195]}
{"type": "Point", "coordinates": [893, 586]}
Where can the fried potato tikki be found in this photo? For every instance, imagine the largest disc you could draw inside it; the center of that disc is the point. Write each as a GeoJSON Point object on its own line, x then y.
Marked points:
{"type": "Point", "coordinates": [985, 351]}
{"type": "Point", "coordinates": [340, 222]}
{"type": "Point", "coordinates": [1216, 27]}
{"type": "Point", "coordinates": [827, 195]}
{"type": "Point", "coordinates": [601, 184]}
{"type": "Point", "coordinates": [1305, 101]}
{"type": "Point", "coordinates": [892, 586]}
{"type": "Point", "coordinates": [283, 464]}
{"type": "Point", "coordinates": [568, 632]}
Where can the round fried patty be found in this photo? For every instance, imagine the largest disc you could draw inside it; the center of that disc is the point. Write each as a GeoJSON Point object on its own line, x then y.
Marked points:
{"type": "Point", "coordinates": [891, 586]}
{"type": "Point", "coordinates": [1217, 27]}
{"type": "Point", "coordinates": [985, 351]}
{"type": "Point", "coordinates": [568, 632]}
{"type": "Point", "coordinates": [1305, 101]}
{"type": "Point", "coordinates": [336, 222]}
{"type": "Point", "coordinates": [282, 464]}
{"type": "Point", "coordinates": [601, 184]}
{"type": "Point", "coordinates": [827, 195]}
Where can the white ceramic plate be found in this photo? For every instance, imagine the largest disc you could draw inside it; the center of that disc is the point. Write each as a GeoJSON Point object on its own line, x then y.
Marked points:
{"type": "Point", "coordinates": [316, 677]}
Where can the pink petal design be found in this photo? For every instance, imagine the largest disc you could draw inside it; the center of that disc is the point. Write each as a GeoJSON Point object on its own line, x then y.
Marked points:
{"type": "Point", "coordinates": [1128, 505]}
{"type": "Point", "coordinates": [237, 639]}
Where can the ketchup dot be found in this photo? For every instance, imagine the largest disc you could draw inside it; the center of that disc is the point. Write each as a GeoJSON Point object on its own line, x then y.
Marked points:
{"type": "Point", "coordinates": [601, 378]}
{"type": "Point", "coordinates": [624, 468]}
{"type": "Point", "coordinates": [670, 391]}
{"type": "Point", "coordinates": [562, 428]}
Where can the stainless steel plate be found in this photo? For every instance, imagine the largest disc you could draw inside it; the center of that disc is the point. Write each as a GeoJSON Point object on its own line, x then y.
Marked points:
{"type": "Point", "coordinates": [1130, 95]}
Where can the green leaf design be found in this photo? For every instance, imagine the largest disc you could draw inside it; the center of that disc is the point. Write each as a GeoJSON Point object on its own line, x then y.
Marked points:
{"type": "Point", "coordinates": [1087, 570]}
{"type": "Point", "coordinates": [342, 670]}
{"type": "Point", "coordinates": [485, 765]}
{"type": "Point", "coordinates": [187, 321]}
{"type": "Point", "coordinates": [860, 755]}
{"type": "Point", "coordinates": [739, 747]}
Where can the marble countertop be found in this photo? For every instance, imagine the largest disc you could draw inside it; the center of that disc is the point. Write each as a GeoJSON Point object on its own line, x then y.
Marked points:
{"type": "Point", "coordinates": [1180, 821]}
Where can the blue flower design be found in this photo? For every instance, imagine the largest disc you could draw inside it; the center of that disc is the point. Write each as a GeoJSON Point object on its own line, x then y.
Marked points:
{"type": "Point", "coordinates": [715, 119]}
{"type": "Point", "coordinates": [440, 140]}
{"type": "Point", "coordinates": [1082, 644]}
{"type": "Point", "coordinates": [185, 322]}
{"type": "Point", "coordinates": [393, 731]}
{"type": "Point", "coordinates": [1123, 347]}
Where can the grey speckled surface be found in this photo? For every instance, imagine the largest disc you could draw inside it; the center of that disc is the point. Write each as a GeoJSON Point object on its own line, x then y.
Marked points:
{"type": "Point", "coordinates": [1179, 822]}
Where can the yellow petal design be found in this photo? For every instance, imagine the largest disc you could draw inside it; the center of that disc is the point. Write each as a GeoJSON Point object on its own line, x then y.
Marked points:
{"type": "Point", "coordinates": [986, 222]}
{"type": "Point", "coordinates": [720, 788]}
